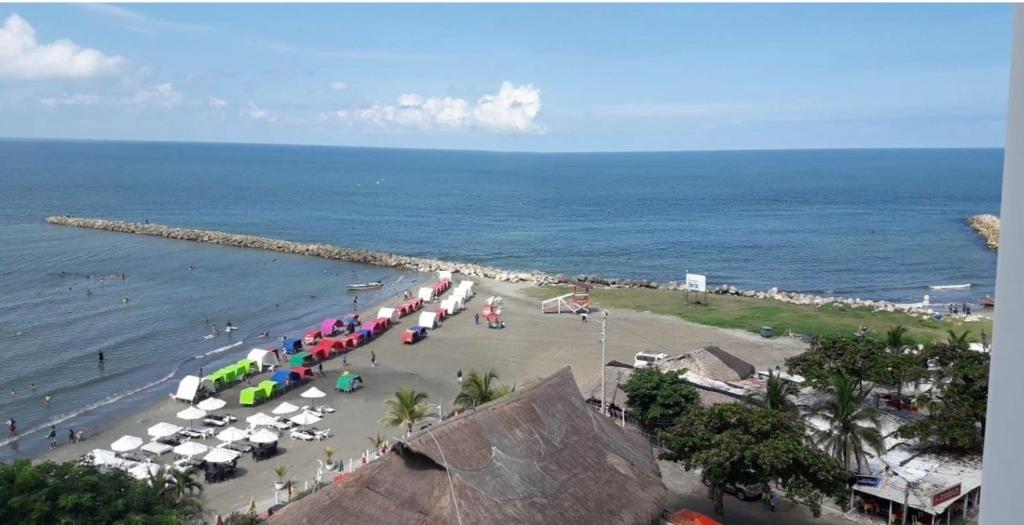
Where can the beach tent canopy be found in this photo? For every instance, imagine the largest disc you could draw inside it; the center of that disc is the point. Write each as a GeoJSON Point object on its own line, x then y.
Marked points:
{"type": "Point", "coordinates": [291, 345]}
{"type": "Point", "coordinates": [191, 413]}
{"type": "Point", "coordinates": [126, 443]}
{"type": "Point", "coordinates": [251, 365]}
{"type": "Point", "coordinates": [269, 387]}
{"type": "Point", "coordinates": [264, 435]}
{"type": "Point", "coordinates": [426, 294]}
{"type": "Point", "coordinates": [312, 337]}
{"type": "Point", "coordinates": [251, 396]}
{"type": "Point", "coordinates": [190, 448]}
{"type": "Point", "coordinates": [299, 359]}
{"type": "Point", "coordinates": [282, 377]}
{"type": "Point", "coordinates": [304, 372]}
{"type": "Point", "coordinates": [188, 388]}
{"type": "Point", "coordinates": [221, 455]}
{"type": "Point", "coordinates": [305, 418]}
{"type": "Point", "coordinates": [264, 358]}
{"type": "Point", "coordinates": [210, 404]}
{"type": "Point", "coordinates": [143, 471]}
{"type": "Point", "coordinates": [259, 419]}
{"type": "Point", "coordinates": [232, 434]}
{"type": "Point", "coordinates": [162, 430]}
{"type": "Point", "coordinates": [313, 393]}
{"type": "Point", "coordinates": [348, 381]}
{"type": "Point", "coordinates": [428, 319]}
{"type": "Point", "coordinates": [388, 313]}
{"type": "Point", "coordinates": [330, 345]}
{"type": "Point", "coordinates": [284, 408]}
{"type": "Point", "coordinates": [444, 274]}
{"type": "Point", "coordinates": [329, 326]}
{"type": "Point", "coordinates": [321, 353]}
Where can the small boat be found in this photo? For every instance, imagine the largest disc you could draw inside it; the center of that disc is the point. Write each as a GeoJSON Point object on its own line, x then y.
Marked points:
{"type": "Point", "coordinates": [950, 286]}
{"type": "Point", "coordinates": [366, 286]}
{"type": "Point", "coordinates": [987, 302]}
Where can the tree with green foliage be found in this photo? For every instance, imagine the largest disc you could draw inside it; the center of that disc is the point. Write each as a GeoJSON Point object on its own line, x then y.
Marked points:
{"type": "Point", "coordinates": [478, 389]}
{"type": "Point", "coordinates": [742, 444]}
{"type": "Point", "coordinates": [654, 397]}
{"type": "Point", "coordinates": [855, 358]}
{"type": "Point", "coordinates": [955, 420]}
{"type": "Point", "coordinates": [777, 395]}
{"type": "Point", "coordinates": [406, 408]}
{"type": "Point", "coordinates": [71, 493]}
{"type": "Point", "coordinates": [852, 427]}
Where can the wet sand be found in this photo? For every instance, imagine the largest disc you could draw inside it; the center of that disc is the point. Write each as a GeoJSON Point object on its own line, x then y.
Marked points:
{"type": "Point", "coordinates": [532, 346]}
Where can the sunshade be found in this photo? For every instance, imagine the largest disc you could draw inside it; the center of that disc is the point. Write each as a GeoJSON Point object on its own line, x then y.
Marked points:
{"type": "Point", "coordinates": [191, 413]}
{"type": "Point", "coordinates": [313, 393]}
{"type": "Point", "coordinates": [190, 448]}
{"type": "Point", "coordinates": [211, 403]}
{"type": "Point", "coordinates": [284, 408]}
{"type": "Point", "coordinates": [221, 455]}
{"type": "Point", "coordinates": [260, 419]}
{"type": "Point", "coordinates": [304, 418]}
{"type": "Point", "coordinates": [143, 471]}
{"type": "Point", "coordinates": [126, 443]}
{"type": "Point", "coordinates": [264, 436]}
{"type": "Point", "coordinates": [232, 434]}
{"type": "Point", "coordinates": [162, 430]}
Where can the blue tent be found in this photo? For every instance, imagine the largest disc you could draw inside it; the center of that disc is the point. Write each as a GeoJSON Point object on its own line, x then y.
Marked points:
{"type": "Point", "coordinates": [283, 377]}
{"type": "Point", "coordinates": [367, 335]}
{"type": "Point", "coordinates": [291, 345]}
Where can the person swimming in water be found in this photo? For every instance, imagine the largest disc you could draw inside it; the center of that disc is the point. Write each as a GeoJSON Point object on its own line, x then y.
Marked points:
{"type": "Point", "coordinates": [228, 326]}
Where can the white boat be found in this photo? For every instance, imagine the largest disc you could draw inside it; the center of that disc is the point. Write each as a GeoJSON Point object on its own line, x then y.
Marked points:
{"type": "Point", "coordinates": [366, 286]}
{"type": "Point", "coordinates": [950, 286]}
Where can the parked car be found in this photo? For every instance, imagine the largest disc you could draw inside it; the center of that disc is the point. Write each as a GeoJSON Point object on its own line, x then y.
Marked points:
{"type": "Point", "coordinates": [645, 359]}
{"type": "Point", "coordinates": [747, 492]}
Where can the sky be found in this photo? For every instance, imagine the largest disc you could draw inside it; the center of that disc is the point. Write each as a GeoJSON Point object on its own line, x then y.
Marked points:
{"type": "Point", "coordinates": [510, 77]}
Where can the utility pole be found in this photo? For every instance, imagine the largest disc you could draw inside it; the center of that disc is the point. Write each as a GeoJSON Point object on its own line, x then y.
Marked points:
{"type": "Point", "coordinates": [604, 361]}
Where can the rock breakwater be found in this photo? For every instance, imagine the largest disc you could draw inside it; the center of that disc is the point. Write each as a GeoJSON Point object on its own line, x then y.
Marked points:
{"type": "Point", "coordinates": [426, 265]}
{"type": "Point", "coordinates": [988, 227]}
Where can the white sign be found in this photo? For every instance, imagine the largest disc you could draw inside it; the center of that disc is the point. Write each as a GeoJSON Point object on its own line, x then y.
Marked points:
{"type": "Point", "coordinates": [696, 282]}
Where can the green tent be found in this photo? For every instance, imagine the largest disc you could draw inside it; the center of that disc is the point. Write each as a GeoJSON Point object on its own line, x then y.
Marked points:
{"type": "Point", "coordinates": [219, 378]}
{"type": "Point", "coordinates": [348, 382]}
{"type": "Point", "coordinates": [300, 359]}
{"type": "Point", "coordinates": [229, 373]}
{"type": "Point", "coordinates": [268, 387]}
{"type": "Point", "coordinates": [240, 369]}
{"type": "Point", "coordinates": [250, 365]}
{"type": "Point", "coordinates": [251, 396]}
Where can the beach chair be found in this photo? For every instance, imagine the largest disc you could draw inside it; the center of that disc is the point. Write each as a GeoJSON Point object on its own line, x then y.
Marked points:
{"type": "Point", "coordinates": [303, 435]}
{"type": "Point", "coordinates": [156, 448]}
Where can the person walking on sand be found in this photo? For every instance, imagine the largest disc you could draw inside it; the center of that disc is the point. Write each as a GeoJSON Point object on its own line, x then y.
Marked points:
{"type": "Point", "coordinates": [373, 358]}
{"type": "Point", "coordinates": [458, 375]}
{"type": "Point", "coordinates": [476, 318]}
{"type": "Point", "coordinates": [12, 427]}
{"type": "Point", "coordinates": [320, 368]}
{"type": "Point", "coordinates": [52, 436]}
{"type": "Point", "coordinates": [71, 436]}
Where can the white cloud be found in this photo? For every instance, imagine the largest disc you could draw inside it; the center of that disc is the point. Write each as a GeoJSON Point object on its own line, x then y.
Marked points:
{"type": "Point", "coordinates": [21, 55]}
{"type": "Point", "coordinates": [218, 103]}
{"type": "Point", "coordinates": [254, 112]}
{"type": "Point", "coordinates": [513, 109]}
{"type": "Point", "coordinates": [140, 19]}
{"type": "Point", "coordinates": [69, 100]}
{"type": "Point", "coordinates": [339, 86]}
{"type": "Point", "coordinates": [162, 96]}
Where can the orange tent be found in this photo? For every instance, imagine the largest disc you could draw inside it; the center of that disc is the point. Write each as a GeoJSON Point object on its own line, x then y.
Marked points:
{"type": "Point", "coordinates": [689, 517]}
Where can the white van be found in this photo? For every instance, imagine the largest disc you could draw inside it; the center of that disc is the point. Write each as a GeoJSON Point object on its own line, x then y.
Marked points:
{"type": "Point", "coordinates": [645, 359]}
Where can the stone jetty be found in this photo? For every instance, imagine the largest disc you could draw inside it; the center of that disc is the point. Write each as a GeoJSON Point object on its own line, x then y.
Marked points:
{"type": "Point", "coordinates": [988, 227]}
{"type": "Point", "coordinates": [419, 264]}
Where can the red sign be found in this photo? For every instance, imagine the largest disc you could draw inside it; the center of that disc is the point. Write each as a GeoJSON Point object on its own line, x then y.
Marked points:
{"type": "Point", "coordinates": [945, 495]}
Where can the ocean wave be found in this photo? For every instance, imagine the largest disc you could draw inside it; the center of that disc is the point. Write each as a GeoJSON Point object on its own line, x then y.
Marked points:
{"type": "Point", "coordinates": [222, 349]}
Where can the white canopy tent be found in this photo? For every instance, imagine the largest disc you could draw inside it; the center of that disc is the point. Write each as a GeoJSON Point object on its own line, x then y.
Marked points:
{"type": "Point", "coordinates": [126, 443]}
{"type": "Point", "coordinates": [428, 320]}
{"type": "Point", "coordinates": [264, 436]}
{"type": "Point", "coordinates": [221, 455]}
{"type": "Point", "coordinates": [191, 414]}
{"type": "Point", "coordinates": [144, 471]}
{"type": "Point", "coordinates": [388, 313]}
{"type": "Point", "coordinates": [427, 294]}
{"type": "Point", "coordinates": [305, 418]}
{"type": "Point", "coordinates": [259, 419]}
{"type": "Point", "coordinates": [444, 274]}
{"type": "Point", "coordinates": [264, 358]}
{"type": "Point", "coordinates": [188, 388]}
{"type": "Point", "coordinates": [210, 404]}
{"type": "Point", "coordinates": [231, 434]}
{"type": "Point", "coordinates": [190, 448]}
{"type": "Point", "coordinates": [284, 408]}
{"type": "Point", "coordinates": [162, 430]}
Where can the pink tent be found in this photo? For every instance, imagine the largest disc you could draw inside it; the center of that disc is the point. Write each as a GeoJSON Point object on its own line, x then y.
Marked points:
{"type": "Point", "coordinates": [328, 327]}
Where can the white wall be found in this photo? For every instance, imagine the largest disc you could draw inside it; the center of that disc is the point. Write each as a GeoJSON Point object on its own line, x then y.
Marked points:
{"type": "Point", "coordinates": [1004, 436]}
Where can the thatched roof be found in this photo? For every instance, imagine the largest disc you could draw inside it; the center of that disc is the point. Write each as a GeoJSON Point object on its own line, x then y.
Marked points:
{"type": "Point", "coordinates": [539, 455]}
{"type": "Point", "coordinates": [715, 363]}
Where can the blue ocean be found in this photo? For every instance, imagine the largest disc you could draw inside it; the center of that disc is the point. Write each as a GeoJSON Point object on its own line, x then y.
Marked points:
{"type": "Point", "coordinates": [880, 224]}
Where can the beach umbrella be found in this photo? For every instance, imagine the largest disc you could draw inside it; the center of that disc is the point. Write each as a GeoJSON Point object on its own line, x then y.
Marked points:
{"type": "Point", "coordinates": [264, 436]}
{"type": "Point", "coordinates": [162, 430]}
{"type": "Point", "coordinates": [313, 393]}
{"type": "Point", "coordinates": [144, 471]}
{"type": "Point", "coordinates": [211, 403]}
{"type": "Point", "coordinates": [190, 414]}
{"type": "Point", "coordinates": [259, 419]}
{"type": "Point", "coordinates": [221, 455]}
{"type": "Point", "coordinates": [232, 434]}
{"type": "Point", "coordinates": [284, 408]}
{"type": "Point", "coordinates": [305, 418]}
{"type": "Point", "coordinates": [190, 448]}
{"type": "Point", "coordinates": [252, 505]}
{"type": "Point", "coordinates": [126, 443]}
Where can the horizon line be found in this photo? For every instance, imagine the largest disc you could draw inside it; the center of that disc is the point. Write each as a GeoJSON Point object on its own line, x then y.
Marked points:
{"type": "Point", "coordinates": [470, 150]}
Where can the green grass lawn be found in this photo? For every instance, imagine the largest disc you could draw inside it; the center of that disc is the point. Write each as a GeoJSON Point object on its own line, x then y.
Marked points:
{"type": "Point", "coordinates": [751, 314]}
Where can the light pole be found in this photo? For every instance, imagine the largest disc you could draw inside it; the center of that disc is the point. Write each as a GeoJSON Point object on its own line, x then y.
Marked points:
{"type": "Point", "coordinates": [604, 324]}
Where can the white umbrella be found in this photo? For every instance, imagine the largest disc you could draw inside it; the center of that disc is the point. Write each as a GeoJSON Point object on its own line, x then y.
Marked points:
{"type": "Point", "coordinates": [144, 471]}
{"type": "Point", "coordinates": [284, 408]}
{"type": "Point", "coordinates": [211, 403]}
{"type": "Point", "coordinates": [162, 430]}
{"type": "Point", "coordinates": [190, 448]}
{"type": "Point", "coordinates": [305, 418]}
{"type": "Point", "coordinates": [232, 434]}
{"type": "Point", "coordinates": [221, 455]}
{"type": "Point", "coordinates": [190, 414]}
{"type": "Point", "coordinates": [126, 443]}
{"type": "Point", "coordinates": [259, 419]}
{"type": "Point", "coordinates": [313, 393]}
{"type": "Point", "coordinates": [264, 436]}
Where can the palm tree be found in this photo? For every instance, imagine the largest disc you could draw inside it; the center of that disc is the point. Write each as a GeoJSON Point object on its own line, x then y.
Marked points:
{"type": "Point", "coordinates": [958, 341]}
{"type": "Point", "coordinates": [776, 394]}
{"type": "Point", "coordinates": [479, 389]}
{"type": "Point", "coordinates": [851, 427]}
{"type": "Point", "coordinates": [182, 484]}
{"type": "Point", "coordinates": [896, 339]}
{"type": "Point", "coordinates": [406, 408]}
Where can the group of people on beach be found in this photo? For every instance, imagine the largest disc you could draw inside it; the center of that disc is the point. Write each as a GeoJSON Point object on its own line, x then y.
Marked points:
{"type": "Point", "coordinates": [954, 309]}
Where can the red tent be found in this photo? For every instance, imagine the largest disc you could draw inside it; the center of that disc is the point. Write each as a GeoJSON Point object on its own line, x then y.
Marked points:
{"type": "Point", "coordinates": [353, 340]}
{"type": "Point", "coordinates": [690, 517]}
{"type": "Point", "coordinates": [312, 337]}
{"type": "Point", "coordinates": [330, 345]}
{"type": "Point", "coordinates": [304, 372]}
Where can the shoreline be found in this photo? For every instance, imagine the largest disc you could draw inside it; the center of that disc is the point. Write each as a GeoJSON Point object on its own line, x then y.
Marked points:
{"type": "Point", "coordinates": [471, 270]}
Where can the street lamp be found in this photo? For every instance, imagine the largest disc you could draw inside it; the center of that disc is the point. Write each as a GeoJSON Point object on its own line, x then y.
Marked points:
{"type": "Point", "coordinates": [604, 323]}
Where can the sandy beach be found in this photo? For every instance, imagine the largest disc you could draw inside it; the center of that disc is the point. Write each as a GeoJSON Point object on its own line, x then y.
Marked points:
{"type": "Point", "coordinates": [532, 345]}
